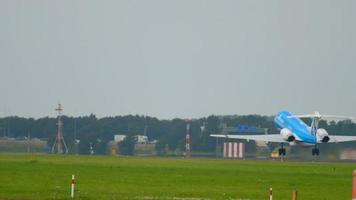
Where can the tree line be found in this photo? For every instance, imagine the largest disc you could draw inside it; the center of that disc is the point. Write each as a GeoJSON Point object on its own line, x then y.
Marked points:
{"type": "Point", "coordinates": [170, 134]}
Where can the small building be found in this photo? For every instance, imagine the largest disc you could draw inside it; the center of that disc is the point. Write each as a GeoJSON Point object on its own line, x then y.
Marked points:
{"type": "Point", "coordinates": [119, 138]}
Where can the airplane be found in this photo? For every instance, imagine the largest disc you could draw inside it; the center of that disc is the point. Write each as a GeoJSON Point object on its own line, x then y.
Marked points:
{"type": "Point", "coordinates": [296, 133]}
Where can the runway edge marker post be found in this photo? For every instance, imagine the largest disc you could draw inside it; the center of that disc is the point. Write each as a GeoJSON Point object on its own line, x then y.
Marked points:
{"type": "Point", "coordinates": [354, 185]}
{"type": "Point", "coordinates": [72, 187]}
{"type": "Point", "coordinates": [295, 195]}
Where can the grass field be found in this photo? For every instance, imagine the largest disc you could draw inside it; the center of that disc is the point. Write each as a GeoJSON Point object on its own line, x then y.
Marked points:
{"type": "Point", "coordinates": [39, 176]}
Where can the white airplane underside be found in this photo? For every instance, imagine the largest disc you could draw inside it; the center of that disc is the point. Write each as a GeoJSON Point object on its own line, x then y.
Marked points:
{"type": "Point", "coordinates": [276, 138]}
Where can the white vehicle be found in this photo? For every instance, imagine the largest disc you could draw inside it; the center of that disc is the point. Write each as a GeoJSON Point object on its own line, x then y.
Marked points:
{"type": "Point", "coordinates": [141, 139]}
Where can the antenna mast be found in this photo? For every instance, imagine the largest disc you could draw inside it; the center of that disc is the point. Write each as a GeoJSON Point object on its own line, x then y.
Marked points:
{"type": "Point", "coordinates": [187, 139]}
{"type": "Point", "coordinates": [59, 141]}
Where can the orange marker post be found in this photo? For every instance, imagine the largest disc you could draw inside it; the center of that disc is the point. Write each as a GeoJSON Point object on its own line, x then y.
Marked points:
{"type": "Point", "coordinates": [294, 195]}
{"type": "Point", "coordinates": [354, 185]}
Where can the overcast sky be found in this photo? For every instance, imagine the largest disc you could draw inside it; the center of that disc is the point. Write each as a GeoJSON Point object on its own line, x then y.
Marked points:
{"type": "Point", "coordinates": [183, 58]}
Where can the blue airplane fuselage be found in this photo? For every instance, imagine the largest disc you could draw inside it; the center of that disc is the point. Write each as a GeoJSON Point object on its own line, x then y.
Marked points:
{"type": "Point", "coordinates": [301, 131]}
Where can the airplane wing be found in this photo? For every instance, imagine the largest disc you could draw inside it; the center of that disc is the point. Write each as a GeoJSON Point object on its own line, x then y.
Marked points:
{"type": "Point", "coordinates": [341, 138]}
{"type": "Point", "coordinates": [265, 138]}
{"type": "Point", "coordinates": [322, 116]}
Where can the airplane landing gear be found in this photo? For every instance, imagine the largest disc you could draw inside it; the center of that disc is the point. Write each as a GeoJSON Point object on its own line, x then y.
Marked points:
{"type": "Point", "coordinates": [315, 151]}
{"type": "Point", "coordinates": [282, 151]}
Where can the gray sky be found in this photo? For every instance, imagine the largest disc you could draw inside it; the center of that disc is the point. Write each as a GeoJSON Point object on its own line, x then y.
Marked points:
{"type": "Point", "coordinates": [183, 58]}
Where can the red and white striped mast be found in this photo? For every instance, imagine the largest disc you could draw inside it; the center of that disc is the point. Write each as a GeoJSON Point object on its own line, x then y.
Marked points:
{"type": "Point", "coordinates": [187, 140]}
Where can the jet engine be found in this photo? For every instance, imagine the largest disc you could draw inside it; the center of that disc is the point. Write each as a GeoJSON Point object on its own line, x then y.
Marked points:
{"type": "Point", "coordinates": [323, 136]}
{"type": "Point", "coordinates": [287, 135]}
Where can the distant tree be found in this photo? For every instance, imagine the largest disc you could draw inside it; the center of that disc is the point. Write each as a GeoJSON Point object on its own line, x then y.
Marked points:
{"type": "Point", "coordinates": [100, 147]}
{"type": "Point", "coordinates": [161, 147]}
{"type": "Point", "coordinates": [127, 146]}
{"type": "Point", "coordinates": [208, 143]}
{"type": "Point", "coordinates": [169, 133]}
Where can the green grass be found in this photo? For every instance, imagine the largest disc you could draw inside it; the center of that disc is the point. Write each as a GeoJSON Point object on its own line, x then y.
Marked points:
{"type": "Point", "coordinates": [39, 176]}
